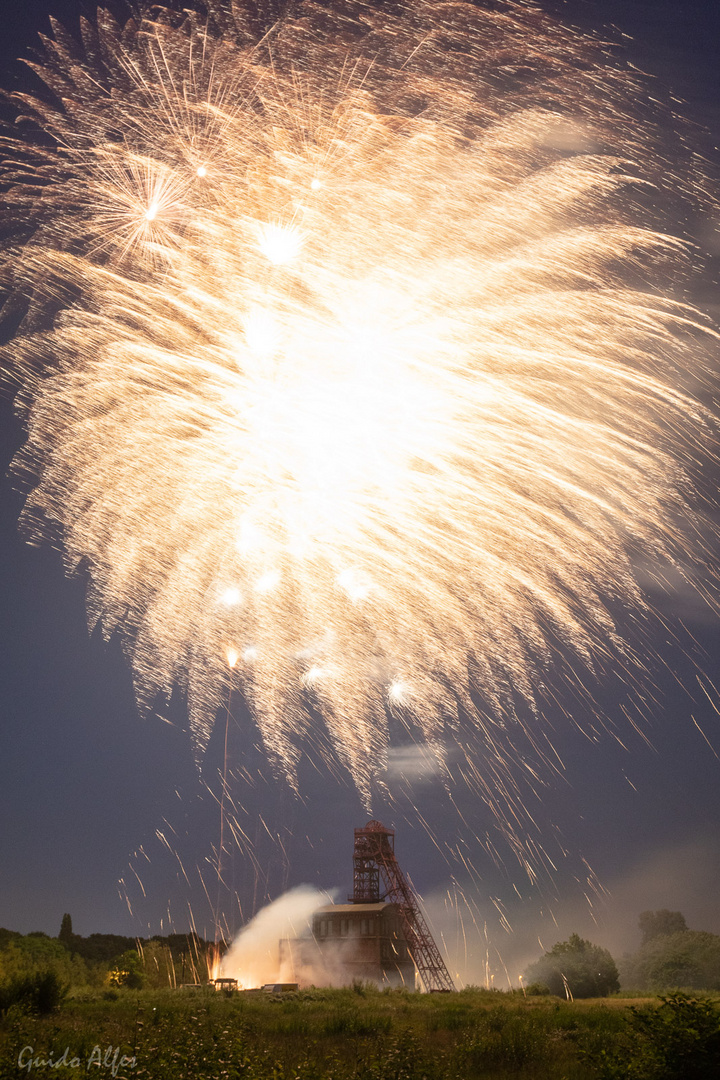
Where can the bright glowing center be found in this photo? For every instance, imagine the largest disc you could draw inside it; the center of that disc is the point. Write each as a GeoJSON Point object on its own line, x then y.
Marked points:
{"type": "Point", "coordinates": [279, 244]}
{"type": "Point", "coordinates": [337, 411]}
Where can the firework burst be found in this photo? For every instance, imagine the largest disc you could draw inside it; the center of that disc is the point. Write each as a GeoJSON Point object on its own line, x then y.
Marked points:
{"type": "Point", "coordinates": [350, 370]}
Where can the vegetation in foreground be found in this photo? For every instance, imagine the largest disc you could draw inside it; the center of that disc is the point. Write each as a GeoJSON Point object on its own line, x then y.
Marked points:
{"type": "Point", "coordinates": [361, 1033]}
{"type": "Point", "coordinates": [71, 1005]}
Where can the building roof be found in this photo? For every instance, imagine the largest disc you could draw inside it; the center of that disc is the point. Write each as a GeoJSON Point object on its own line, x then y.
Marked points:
{"type": "Point", "coordinates": [354, 909]}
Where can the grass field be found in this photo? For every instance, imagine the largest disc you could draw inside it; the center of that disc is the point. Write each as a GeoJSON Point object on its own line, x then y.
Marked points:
{"type": "Point", "coordinates": [326, 1035]}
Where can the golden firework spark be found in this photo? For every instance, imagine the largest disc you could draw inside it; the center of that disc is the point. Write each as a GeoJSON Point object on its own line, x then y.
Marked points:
{"type": "Point", "coordinates": [348, 372]}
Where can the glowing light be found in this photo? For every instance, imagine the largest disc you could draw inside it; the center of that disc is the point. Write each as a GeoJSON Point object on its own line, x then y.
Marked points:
{"type": "Point", "coordinates": [357, 585]}
{"type": "Point", "coordinates": [250, 538]}
{"type": "Point", "coordinates": [313, 675]}
{"type": "Point", "coordinates": [428, 420]}
{"type": "Point", "coordinates": [267, 582]}
{"type": "Point", "coordinates": [279, 244]}
{"type": "Point", "coordinates": [262, 333]}
{"type": "Point", "coordinates": [398, 692]}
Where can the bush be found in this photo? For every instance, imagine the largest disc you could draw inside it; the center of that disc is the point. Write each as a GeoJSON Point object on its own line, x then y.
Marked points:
{"type": "Point", "coordinates": [41, 993]}
{"type": "Point", "coordinates": [127, 971]}
{"type": "Point", "coordinates": [34, 954]}
{"type": "Point", "coordinates": [679, 1040]}
{"type": "Point", "coordinates": [575, 967]}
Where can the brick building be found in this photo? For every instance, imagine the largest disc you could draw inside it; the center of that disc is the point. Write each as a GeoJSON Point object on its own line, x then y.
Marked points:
{"type": "Point", "coordinates": [367, 940]}
{"type": "Point", "coordinates": [380, 937]}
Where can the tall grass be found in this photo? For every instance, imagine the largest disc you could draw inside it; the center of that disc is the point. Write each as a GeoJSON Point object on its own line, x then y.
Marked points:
{"type": "Point", "coordinates": [349, 1034]}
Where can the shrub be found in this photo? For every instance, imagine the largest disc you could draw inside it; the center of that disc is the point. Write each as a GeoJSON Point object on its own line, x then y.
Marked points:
{"type": "Point", "coordinates": [34, 954]}
{"type": "Point", "coordinates": [127, 971]}
{"type": "Point", "coordinates": [576, 967]}
{"type": "Point", "coordinates": [41, 992]}
{"type": "Point", "coordinates": [679, 1040]}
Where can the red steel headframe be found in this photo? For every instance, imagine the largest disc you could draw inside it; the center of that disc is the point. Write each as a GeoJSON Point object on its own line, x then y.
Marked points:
{"type": "Point", "coordinates": [374, 858]}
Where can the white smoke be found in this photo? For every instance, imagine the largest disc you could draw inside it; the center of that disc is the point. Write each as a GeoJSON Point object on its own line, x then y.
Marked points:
{"type": "Point", "coordinates": [414, 764]}
{"type": "Point", "coordinates": [254, 956]}
{"type": "Point", "coordinates": [492, 944]}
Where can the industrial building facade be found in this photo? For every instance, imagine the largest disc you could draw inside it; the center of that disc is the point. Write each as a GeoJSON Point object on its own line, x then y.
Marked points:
{"type": "Point", "coordinates": [380, 937]}
{"type": "Point", "coordinates": [367, 940]}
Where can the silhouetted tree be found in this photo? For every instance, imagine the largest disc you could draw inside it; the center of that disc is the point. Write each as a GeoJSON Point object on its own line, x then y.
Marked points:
{"type": "Point", "coordinates": [102, 948]}
{"type": "Point", "coordinates": [66, 930]}
{"type": "Point", "coordinates": [578, 967]}
{"type": "Point", "coordinates": [654, 923]}
{"type": "Point", "coordinates": [689, 959]}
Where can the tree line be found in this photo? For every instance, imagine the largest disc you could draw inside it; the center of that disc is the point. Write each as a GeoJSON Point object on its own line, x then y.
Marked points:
{"type": "Point", "coordinates": [670, 956]}
{"type": "Point", "coordinates": [103, 960]}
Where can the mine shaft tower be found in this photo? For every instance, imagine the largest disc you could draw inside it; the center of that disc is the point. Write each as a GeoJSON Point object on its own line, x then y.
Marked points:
{"type": "Point", "coordinates": [374, 862]}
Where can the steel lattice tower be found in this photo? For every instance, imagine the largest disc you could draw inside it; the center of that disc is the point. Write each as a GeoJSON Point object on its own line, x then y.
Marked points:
{"type": "Point", "coordinates": [373, 859]}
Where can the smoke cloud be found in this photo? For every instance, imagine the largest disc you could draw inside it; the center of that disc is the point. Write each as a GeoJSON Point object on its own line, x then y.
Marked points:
{"type": "Point", "coordinates": [254, 956]}
{"type": "Point", "coordinates": [487, 943]}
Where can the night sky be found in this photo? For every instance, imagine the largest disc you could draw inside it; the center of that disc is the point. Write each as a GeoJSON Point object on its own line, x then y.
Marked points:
{"type": "Point", "coordinates": [86, 783]}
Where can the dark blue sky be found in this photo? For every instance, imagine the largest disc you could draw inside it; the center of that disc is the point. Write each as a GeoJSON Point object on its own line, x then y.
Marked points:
{"type": "Point", "coordinates": [85, 781]}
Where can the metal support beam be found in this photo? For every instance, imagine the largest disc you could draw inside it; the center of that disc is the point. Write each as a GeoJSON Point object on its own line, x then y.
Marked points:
{"type": "Point", "coordinates": [374, 858]}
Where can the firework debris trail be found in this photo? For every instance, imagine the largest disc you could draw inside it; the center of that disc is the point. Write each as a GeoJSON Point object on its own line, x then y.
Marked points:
{"type": "Point", "coordinates": [352, 366]}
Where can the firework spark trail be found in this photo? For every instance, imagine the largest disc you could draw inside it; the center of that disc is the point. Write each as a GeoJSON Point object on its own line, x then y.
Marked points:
{"type": "Point", "coordinates": [347, 370]}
